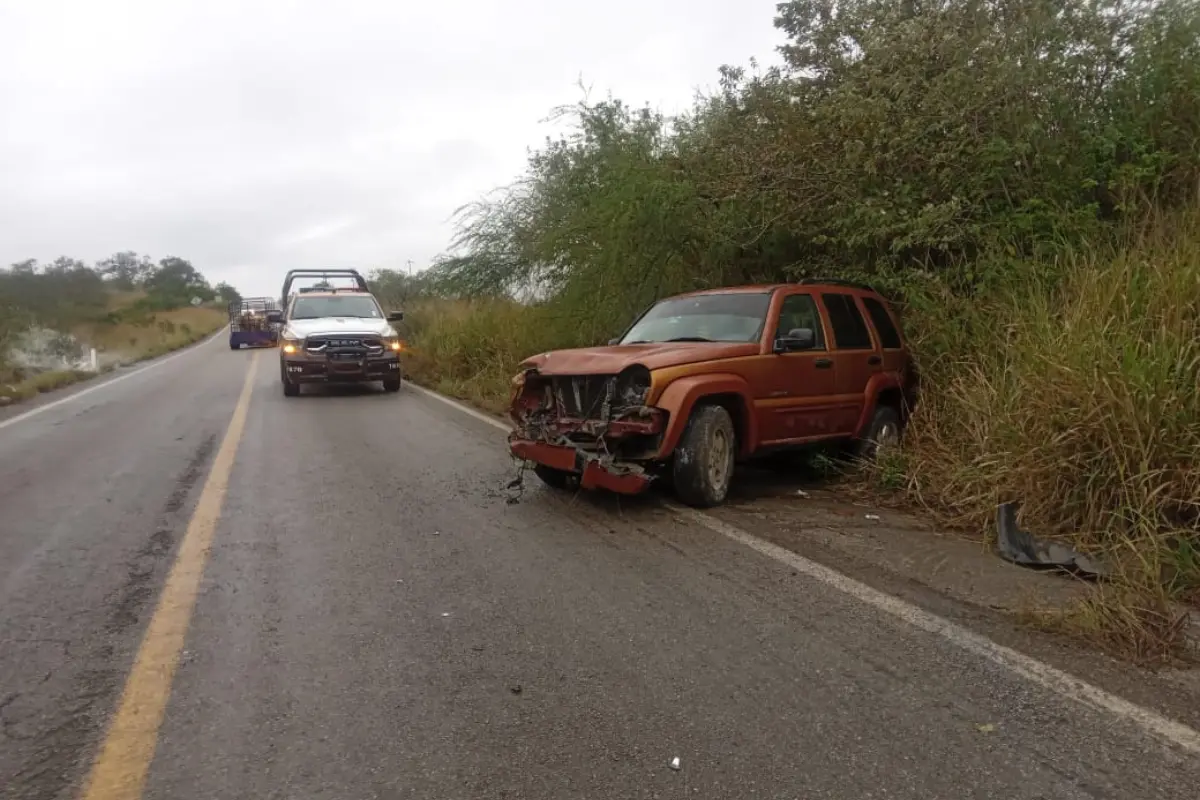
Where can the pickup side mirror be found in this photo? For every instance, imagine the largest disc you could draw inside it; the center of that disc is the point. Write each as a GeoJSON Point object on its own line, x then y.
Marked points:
{"type": "Point", "coordinates": [796, 339]}
{"type": "Point", "coordinates": [395, 316]}
{"type": "Point", "coordinates": [274, 316]}
{"type": "Point", "coordinates": [615, 341]}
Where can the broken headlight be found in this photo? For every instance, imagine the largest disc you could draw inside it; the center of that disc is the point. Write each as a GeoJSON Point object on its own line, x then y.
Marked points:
{"type": "Point", "coordinates": [633, 386]}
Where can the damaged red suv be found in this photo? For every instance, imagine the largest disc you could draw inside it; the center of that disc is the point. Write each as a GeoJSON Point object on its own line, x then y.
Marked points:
{"type": "Point", "coordinates": [703, 381]}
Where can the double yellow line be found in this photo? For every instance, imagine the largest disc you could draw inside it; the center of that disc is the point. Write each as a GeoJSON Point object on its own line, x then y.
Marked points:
{"type": "Point", "coordinates": [119, 772]}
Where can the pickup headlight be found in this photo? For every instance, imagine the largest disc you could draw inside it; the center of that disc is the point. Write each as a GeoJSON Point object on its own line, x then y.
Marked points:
{"type": "Point", "coordinates": [393, 344]}
{"type": "Point", "coordinates": [291, 346]}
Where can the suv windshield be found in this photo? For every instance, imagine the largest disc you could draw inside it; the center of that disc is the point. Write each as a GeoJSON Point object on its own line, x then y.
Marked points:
{"type": "Point", "coordinates": [344, 306]}
{"type": "Point", "coordinates": [732, 317]}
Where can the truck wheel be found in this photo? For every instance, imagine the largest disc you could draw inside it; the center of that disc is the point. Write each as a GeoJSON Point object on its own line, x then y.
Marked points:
{"type": "Point", "coordinates": [882, 433]}
{"type": "Point", "coordinates": [233, 346]}
{"type": "Point", "coordinates": [554, 478]}
{"type": "Point", "coordinates": [703, 464]}
{"type": "Point", "coordinates": [392, 384]}
{"type": "Point", "coordinates": [290, 389]}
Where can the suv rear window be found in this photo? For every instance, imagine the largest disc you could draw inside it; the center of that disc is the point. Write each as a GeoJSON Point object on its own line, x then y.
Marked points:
{"type": "Point", "coordinates": [849, 328]}
{"type": "Point", "coordinates": [888, 335]}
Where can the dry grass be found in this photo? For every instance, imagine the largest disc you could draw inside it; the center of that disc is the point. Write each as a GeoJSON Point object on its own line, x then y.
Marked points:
{"type": "Point", "coordinates": [471, 349]}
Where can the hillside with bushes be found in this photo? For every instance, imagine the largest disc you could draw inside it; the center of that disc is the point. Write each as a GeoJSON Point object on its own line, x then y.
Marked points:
{"type": "Point", "coordinates": [127, 307]}
{"type": "Point", "coordinates": [1020, 176]}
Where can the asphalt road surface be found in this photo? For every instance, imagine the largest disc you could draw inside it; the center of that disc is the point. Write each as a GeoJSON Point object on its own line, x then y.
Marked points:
{"type": "Point", "coordinates": [210, 591]}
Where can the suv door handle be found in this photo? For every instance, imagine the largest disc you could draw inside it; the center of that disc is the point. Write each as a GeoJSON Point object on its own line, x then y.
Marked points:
{"type": "Point", "coordinates": [875, 361]}
{"type": "Point", "coordinates": [823, 363]}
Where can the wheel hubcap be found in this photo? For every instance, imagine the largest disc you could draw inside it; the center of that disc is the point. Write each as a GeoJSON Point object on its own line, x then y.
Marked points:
{"type": "Point", "coordinates": [887, 437]}
{"type": "Point", "coordinates": [718, 465]}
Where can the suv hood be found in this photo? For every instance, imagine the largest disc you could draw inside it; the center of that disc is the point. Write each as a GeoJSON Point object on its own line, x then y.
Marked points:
{"type": "Point", "coordinates": [656, 355]}
{"type": "Point", "coordinates": [302, 328]}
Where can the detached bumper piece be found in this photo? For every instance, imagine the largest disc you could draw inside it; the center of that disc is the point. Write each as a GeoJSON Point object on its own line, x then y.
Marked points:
{"type": "Point", "coordinates": [593, 470]}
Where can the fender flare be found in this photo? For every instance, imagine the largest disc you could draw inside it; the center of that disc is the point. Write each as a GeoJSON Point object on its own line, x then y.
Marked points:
{"type": "Point", "coordinates": [681, 396]}
{"type": "Point", "coordinates": [876, 385]}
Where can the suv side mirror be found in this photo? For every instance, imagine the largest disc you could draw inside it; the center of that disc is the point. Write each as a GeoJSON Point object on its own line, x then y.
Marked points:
{"type": "Point", "coordinates": [274, 316]}
{"type": "Point", "coordinates": [395, 316]}
{"type": "Point", "coordinates": [796, 339]}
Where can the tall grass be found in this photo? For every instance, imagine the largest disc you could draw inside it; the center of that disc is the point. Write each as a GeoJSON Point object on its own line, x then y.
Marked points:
{"type": "Point", "coordinates": [471, 348]}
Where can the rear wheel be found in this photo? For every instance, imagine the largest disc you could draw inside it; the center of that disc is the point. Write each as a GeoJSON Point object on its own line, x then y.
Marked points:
{"type": "Point", "coordinates": [233, 346]}
{"type": "Point", "coordinates": [392, 384]}
{"type": "Point", "coordinates": [555, 478]}
{"type": "Point", "coordinates": [290, 389]}
{"type": "Point", "coordinates": [881, 434]}
{"type": "Point", "coordinates": [702, 468]}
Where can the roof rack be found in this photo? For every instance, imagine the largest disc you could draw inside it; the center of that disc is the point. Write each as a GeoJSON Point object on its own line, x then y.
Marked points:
{"type": "Point", "coordinates": [836, 282]}
{"type": "Point", "coordinates": [324, 274]}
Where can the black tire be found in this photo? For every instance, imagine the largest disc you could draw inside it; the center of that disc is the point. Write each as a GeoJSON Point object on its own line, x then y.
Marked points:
{"type": "Point", "coordinates": [555, 478]}
{"type": "Point", "coordinates": [885, 429]}
{"type": "Point", "coordinates": [392, 384]}
{"type": "Point", "coordinates": [290, 389]}
{"type": "Point", "coordinates": [702, 468]}
{"type": "Point", "coordinates": [233, 346]}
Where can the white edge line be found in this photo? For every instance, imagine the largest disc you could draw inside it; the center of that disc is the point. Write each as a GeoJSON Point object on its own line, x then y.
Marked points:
{"type": "Point", "coordinates": [1027, 667]}
{"type": "Point", "coordinates": [106, 383]}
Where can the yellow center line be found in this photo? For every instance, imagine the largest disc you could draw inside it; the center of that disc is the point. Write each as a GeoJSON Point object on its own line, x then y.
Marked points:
{"type": "Point", "coordinates": [119, 772]}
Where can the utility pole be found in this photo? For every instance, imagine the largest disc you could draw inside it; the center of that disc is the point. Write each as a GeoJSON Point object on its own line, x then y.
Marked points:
{"type": "Point", "coordinates": [410, 267]}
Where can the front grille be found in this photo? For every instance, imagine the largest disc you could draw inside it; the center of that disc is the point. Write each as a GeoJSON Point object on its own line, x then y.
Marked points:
{"type": "Point", "coordinates": [582, 396]}
{"type": "Point", "coordinates": [343, 344]}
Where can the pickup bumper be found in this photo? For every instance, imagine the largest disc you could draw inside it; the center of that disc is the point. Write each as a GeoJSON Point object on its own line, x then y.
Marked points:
{"type": "Point", "coordinates": [329, 370]}
{"type": "Point", "coordinates": [593, 471]}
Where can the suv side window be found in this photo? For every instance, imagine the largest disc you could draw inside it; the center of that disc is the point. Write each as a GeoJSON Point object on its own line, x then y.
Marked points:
{"type": "Point", "coordinates": [849, 328]}
{"type": "Point", "coordinates": [800, 311]}
{"type": "Point", "coordinates": [889, 337]}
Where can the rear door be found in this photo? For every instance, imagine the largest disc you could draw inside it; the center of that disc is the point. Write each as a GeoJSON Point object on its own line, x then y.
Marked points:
{"type": "Point", "coordinates": [855, 353]}
{"type": "Point", "coordinates": [803, 383]}
{"type": "Point", "coordinates": [888, 334]}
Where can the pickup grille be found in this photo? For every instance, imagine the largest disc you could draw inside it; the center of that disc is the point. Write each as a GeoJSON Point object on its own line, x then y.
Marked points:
{"type": "Point", "coordinates": [582, 396]}
{"type": "Point", "coordinates": [343, 344]}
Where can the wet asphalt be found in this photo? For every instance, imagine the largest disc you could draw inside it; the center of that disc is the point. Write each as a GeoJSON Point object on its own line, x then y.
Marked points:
{"type": "Point", "coordinates": [378, 619]}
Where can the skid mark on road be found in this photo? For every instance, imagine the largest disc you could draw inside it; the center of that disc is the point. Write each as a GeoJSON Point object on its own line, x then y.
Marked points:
{"type": "Point", "coordinates": [119, 771]}
{"type": "Point", "coordinates": [1062, 683]}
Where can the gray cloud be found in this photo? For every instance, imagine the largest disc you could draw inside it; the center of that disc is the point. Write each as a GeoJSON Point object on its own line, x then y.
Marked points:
{"type": "Point", "coordinates": [259, 135]}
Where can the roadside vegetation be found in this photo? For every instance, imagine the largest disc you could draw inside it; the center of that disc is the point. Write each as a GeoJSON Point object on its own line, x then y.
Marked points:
{"type": "Point", "coordinates": [1022, 177]}
{"type": "Point", "coordinates": [127, 307]}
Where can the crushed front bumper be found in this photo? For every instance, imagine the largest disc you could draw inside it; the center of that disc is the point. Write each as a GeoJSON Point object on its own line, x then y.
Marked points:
{"type": "Point", "coordinates": [605, 455]}
{"type": "Point", "coordinates": [358, 370]}
{"type": "Point", "coordinates": [593, 471]}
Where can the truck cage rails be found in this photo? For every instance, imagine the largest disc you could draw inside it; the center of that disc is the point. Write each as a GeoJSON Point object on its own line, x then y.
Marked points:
{"type": "Point", "coordinates": [250, 323]}
{"type": "Point", "coordinates": [324, 274]}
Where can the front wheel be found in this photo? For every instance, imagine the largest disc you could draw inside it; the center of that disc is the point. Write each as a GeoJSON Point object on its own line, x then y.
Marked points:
{"type": "Point", "coordinates": [555, 478]}
{"type": "Point", "coordinates": [702, 468]}
{"type": "Point", "coordinates": [290, 389]}
{"type": "Point", "coordinates": [392, 384]}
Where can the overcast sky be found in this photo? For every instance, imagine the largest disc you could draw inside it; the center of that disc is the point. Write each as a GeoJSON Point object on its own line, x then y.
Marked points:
{"type": "Point", "coordinates": [256, 136]}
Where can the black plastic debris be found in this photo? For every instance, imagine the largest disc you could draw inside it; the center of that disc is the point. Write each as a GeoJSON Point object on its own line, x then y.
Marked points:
{"type": "Point", "coordinates": [1023, 548]}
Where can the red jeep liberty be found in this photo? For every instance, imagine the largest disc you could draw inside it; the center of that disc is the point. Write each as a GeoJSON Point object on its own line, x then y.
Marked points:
{"type": "Point", "coordinates": [704, 380]}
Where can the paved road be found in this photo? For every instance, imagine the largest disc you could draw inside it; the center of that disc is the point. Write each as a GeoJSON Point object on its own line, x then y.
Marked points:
{"type": "Point", "coordinates": [374, 620]}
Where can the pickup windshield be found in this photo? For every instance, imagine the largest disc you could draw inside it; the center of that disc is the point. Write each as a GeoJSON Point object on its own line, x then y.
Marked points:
{"type": "Point", "coordinates": [726, 317]}
{"type": "Point", "coordinates": [362, 306]}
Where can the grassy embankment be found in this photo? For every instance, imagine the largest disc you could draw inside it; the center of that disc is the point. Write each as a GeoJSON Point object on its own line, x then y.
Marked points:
{"type": "Point", "coordinates": [1022, 181]}
{"type": "Point", "coordinates": [124, 335]}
